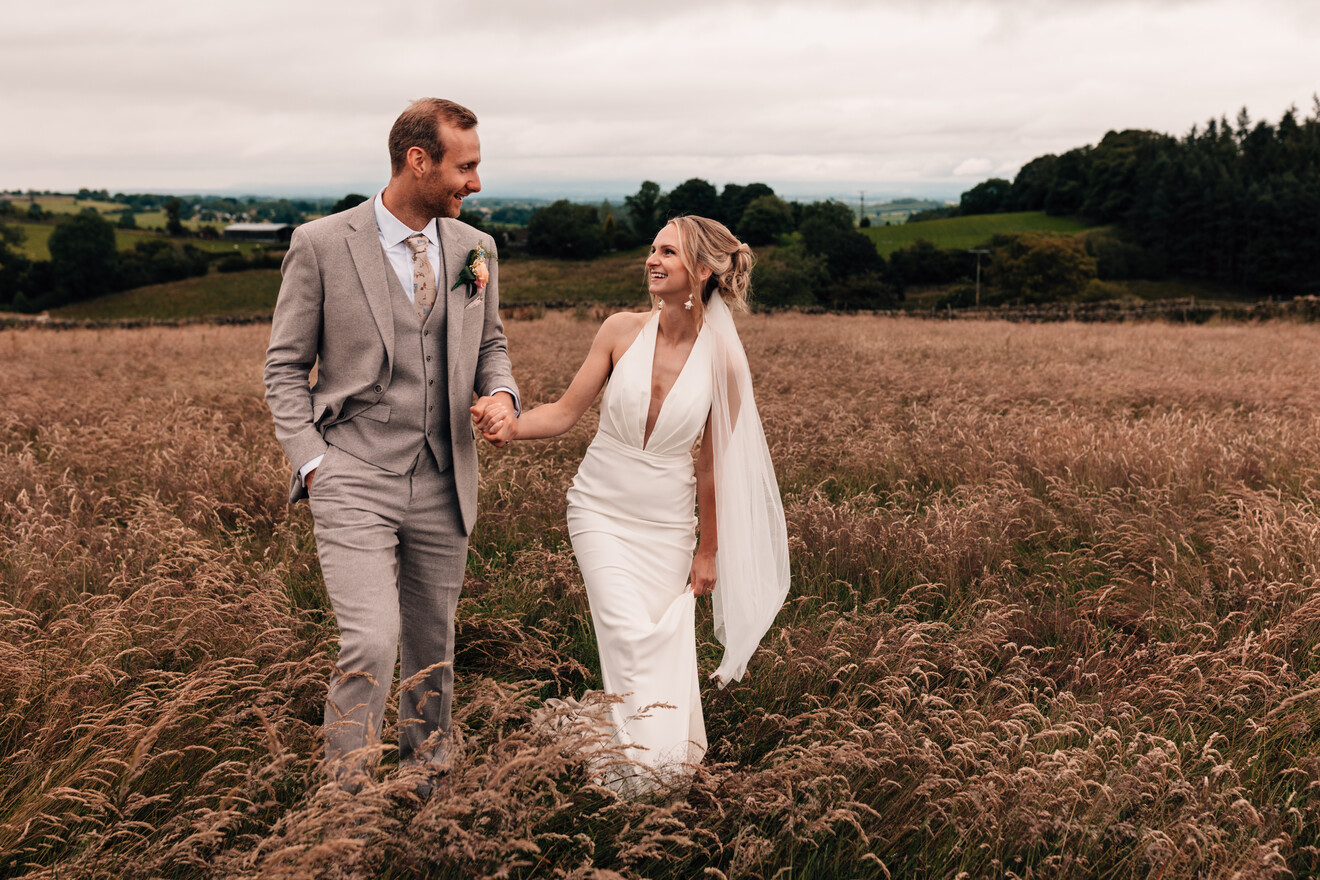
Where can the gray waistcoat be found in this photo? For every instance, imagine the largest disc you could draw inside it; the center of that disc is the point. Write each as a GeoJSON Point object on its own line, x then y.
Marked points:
{"type": "Point", "coordinates": [414, 409]}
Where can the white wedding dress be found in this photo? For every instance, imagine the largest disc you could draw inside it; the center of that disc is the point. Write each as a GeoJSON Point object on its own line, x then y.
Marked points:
{"type": "Point", "coordinates": [632, 520]}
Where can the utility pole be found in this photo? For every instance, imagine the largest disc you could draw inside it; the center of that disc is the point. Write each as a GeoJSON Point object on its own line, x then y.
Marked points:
{"type": "Point", "coordinates": [978, 252]}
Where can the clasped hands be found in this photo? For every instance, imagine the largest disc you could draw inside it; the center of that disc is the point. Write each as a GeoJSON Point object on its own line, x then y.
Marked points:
{"type": "Point", "coordinates": [494, 417]}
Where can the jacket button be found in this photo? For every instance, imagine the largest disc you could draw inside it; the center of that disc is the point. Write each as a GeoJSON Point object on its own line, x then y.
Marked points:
{"type": "Point", "coordinates": [430, 381]}
{"type": "Point", "coordinates": [426, 332]}
{"type": "Point", "coordinates": [428, 358]}
{"type": "Point", "coordinates": [377, 388]}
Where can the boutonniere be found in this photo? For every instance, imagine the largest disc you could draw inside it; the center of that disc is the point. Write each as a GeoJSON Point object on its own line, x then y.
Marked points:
{"type": "Point", "coordinates": [475, 272]}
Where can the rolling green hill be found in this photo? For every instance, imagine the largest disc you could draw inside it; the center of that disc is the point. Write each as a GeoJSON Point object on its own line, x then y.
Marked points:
{"type": "Point", "coordinates": [234, 293]}
{"type": "Point", "coordinates": [966, 232]}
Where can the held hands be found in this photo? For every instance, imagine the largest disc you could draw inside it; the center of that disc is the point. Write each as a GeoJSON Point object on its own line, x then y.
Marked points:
{"type": "Point", "coordinates": [702, 573]}
{"type": "Point", "coordinates": [494, 418]}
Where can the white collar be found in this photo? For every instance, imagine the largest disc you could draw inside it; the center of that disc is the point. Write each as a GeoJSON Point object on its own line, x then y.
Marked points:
{"type": "Point", "coordinates": [393, 230]}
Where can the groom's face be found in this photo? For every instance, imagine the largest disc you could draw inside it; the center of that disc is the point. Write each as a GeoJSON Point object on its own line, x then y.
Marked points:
{"type": "Point", "coordinates": [454, 177]}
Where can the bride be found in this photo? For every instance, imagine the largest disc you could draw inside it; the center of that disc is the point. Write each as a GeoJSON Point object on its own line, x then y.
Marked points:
{"type": "Point", "coordinates": [675, 375]}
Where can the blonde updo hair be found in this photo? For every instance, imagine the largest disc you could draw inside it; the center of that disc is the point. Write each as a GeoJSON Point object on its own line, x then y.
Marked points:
{"type": "Point", "coordinates": [706, 242]}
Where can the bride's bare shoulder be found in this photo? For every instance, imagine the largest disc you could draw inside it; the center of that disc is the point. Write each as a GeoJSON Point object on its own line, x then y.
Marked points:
{"type": "Point", "coordinates": [623, 326]}
{"type": "Point", "coordinates": [619, 330]}
{"type": "Point", "coordinates": [625, 321]}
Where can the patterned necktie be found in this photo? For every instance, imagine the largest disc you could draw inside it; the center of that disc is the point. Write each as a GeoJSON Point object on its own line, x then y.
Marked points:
{"type": "Point", "coordinates": [423, 276]}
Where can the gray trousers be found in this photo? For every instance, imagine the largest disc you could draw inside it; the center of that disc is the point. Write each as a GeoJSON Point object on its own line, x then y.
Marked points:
{"type": "Point", "coordinates": [393, 553]}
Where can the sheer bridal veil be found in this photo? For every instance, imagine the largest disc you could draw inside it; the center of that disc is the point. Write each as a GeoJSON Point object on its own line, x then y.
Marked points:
{"type": "Point", "coordinates": [752, 561]}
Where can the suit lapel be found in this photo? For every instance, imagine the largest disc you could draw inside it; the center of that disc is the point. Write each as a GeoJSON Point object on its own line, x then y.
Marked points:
{"type": "Point", "coordinates": [453, 254]}
{"type": "Point", "coordinates": [373, 271]}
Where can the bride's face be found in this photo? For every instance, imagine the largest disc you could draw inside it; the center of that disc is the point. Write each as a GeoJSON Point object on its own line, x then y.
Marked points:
{"type": "Point", "coordinates": [666, 275]}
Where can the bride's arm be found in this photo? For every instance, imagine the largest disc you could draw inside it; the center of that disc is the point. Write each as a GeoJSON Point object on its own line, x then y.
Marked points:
{"type": "Point", "coordinates": [703, 564]}
{"type": "Point", "coordinates": [553, 419]}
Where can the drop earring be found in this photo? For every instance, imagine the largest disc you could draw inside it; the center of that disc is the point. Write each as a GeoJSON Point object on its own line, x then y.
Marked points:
{"type": "Point", "coordinates": [659, 303]}
{"type": "Point", "coordinates": [688, 305]}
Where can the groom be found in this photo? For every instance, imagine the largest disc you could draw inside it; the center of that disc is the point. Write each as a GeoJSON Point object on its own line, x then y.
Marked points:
{"type": "Point", "coordinates": [396, 304]}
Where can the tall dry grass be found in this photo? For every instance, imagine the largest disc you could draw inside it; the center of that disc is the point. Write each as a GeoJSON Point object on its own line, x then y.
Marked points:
{"type": "Point", "coordinates": [1054, 614]}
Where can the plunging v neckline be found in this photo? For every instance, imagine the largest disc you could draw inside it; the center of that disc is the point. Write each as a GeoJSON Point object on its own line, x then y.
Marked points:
{"type": "Point", "coordinates": [650, 377]}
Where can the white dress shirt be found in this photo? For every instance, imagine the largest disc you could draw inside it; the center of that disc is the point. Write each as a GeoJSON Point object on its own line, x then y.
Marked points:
{"type": "Point", "coordinates": [394, 234]}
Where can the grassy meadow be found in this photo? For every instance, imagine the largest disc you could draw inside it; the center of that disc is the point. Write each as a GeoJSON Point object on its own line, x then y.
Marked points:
{"type": "Point", "coordinates": [524, 281]}
{"type": "Point", "coordinates": [968, 232]}
{"type": "Point", "coordinates": [1054, 614]}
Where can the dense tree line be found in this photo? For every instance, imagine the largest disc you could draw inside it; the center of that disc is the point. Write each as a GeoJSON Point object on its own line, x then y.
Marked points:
{"type": "Point", "coordinates": [85, 264]}
{"type": "Point", "coordinates": [821, 258]}
{"type": "Point", "coordinates": [1236, 203]}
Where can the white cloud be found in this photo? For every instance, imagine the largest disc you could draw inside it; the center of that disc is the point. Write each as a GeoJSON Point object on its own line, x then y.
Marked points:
{"type": "Point", "coordinates": [158, 94]}
{"type": "Point", "coordinates": [973, 166]}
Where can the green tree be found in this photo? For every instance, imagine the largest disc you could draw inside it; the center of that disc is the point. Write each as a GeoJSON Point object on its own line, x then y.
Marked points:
{"type": "Point", "coordinates": [1034, 182]}
{"type": "Point", "coordinates": [764, 220]}
{"type": "Point", "coordinates": [644, 210]}
{"type": "Point", "coordinates": [83, 260]}
{"type": "Point", "coordinates": [566, 230]}
{"type": "Point", "coordinates": [847, 252]}
{"type": "Point", "coordinates": [987, 197]}
{"type": "Point", "coordinates": [14, 265]}
{"type": "Point", "coordinates": [833, 214]}
{"type": "Point", "coordinates": [695, 197]}
{"type": "Point", "coordinates": [735, 198]}
{"type": "Point", "coordinates": [127, 220]}
{"type": "Point", "coordinates": [351, 200]}
{"type": "Point", "coordinates": [173, 225]}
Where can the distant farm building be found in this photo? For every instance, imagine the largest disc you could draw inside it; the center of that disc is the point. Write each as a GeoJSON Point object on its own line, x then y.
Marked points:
{"type": "Point", "coordinates": [268, 232]}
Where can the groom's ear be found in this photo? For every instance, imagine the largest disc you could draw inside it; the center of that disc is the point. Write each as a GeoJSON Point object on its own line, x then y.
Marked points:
{"type": "Point", "coordinates": [417, 161]}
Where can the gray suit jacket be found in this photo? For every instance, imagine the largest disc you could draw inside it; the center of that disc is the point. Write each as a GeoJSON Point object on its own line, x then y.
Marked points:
{"type": "Point", "coordinates": [334, 313]}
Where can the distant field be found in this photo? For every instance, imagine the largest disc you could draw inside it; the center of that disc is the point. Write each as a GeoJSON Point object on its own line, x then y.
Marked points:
{"type": "Point", "coordinates": [966, 232]}
{"type": "Point", "coordinates": [156, 220]}
{"type": "Point", "coordinates": [67, 204]}
{"type": "Point", "coordinates": [236, 293]}
{"type": "Point", "coordinates": [38, 235]}
{"type": "Point", "coordinates": [36, 247]}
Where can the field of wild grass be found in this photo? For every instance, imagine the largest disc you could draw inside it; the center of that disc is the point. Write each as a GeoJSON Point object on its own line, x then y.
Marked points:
{"type": "Point", "coordinates": [1054, 614]}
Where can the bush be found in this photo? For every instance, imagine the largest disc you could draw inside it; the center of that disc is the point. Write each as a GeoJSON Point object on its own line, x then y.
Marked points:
{"type": "Point", "coordinates": [1101, 291]}
{"type": "Point", "coordinates": [156, 261]}
{"type": "Point", "coordinates": [923, 263]}
{"type": "Point", "coordinates": [1039, 268]}
{"type": "Point", "coordinates": [789, 277]}
{"type": "Point", "coordinates": [1119, 259]}
{"type": "Point", "coordinates": [866, 290]}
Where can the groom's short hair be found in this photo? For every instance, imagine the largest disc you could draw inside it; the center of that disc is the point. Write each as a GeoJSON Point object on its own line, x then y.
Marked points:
{"type": "Point", "coordinates": [419, 126]}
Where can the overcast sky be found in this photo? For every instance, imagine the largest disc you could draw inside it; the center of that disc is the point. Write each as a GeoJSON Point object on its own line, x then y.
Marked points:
{"type": "Point", "coordinates": [590, 97]}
